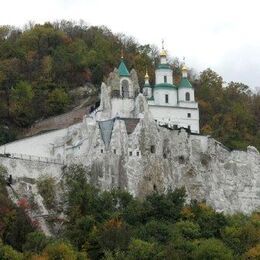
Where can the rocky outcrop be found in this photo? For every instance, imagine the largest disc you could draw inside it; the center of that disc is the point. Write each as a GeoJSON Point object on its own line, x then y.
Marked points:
{"type": "Point", "coordinates": [137, 155]}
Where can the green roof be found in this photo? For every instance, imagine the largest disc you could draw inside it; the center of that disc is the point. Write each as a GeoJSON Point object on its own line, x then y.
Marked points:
{"type": "Point", "coordinates": [123, 71]}
{"type": "Point", "coordinates": [164, 66]}
{"type": "Point", "coordinates": [164, 86]}
{"type": "Point", "coordinates": [184, 83]}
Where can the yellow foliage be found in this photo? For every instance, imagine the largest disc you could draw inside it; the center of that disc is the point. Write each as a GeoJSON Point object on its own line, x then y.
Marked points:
{"type": "Point", "coordinates": [253, 253]}
{"type": "Point", "coordinates": [187, 213]}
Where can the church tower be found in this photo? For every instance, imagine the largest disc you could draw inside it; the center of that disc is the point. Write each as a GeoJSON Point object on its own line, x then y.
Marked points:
{"type": "Point", "coordinates": [126, 86]}
{"type": "Point", "coordinates": [147, 90]}
{"type": "Point", "coordinates": [172, 105]}
{"type": "Point", "coordinates": [185, 90]}
{"type": "Point", "coordinates": [165, 92]}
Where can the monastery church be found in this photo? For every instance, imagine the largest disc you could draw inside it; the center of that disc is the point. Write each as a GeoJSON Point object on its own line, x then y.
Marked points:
{"type": "Point", "coordinates": [170, 104]}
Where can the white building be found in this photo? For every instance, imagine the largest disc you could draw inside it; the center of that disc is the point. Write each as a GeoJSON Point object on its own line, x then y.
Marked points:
{"type": "Point", "coordinates": [170, 104]}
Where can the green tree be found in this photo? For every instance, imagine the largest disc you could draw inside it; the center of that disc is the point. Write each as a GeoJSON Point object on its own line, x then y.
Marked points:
{"type": "Point", "coordinates": [57, 101]}
{"type": "Point", "coordinates": [35, 242]}
{"type": "Point", "coordinates": [142, 250]}
{"type": "Point", "coordinates": [21, 103]}
{"type": "Point", "coordinates": [212, 249]}
{"type": "Point", "coordinates": [8, 253]}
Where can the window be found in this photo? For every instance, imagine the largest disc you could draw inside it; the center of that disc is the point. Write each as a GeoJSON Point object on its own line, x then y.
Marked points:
{"type": "Point", "coordinates": [187, 96]}
{"type": "Point", "coordinates": [130, 153]}
{"type": "Point", "coordinates": [125, 88]}
{"type": "Point", "coordinates": [189, 128]}
{"type": "Point", "coordinates": [101, 151]}
{"type": "Point", "coordinates": [114, 151]}
{"type": "Point", "coordinates": [152, 149]}
{"type": "Point", "coordinates": [165, 79]}
{"type": "Point", "coordinates": [166, 99]}
{"type": "Point", "coordinates": [189, 115]}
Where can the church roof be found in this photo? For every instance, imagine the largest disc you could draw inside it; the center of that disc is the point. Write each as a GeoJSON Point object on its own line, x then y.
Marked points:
{"type": "Point", "coordinates": [165, 86]}
{"type": "Point", "coordinates": [185, 83]}
{"type": "Point", "coordinates": [123, 71]}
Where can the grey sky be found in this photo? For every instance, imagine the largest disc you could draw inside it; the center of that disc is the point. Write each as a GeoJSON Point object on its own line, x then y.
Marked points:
{"type": "Point", "coordinates": [220, 34]}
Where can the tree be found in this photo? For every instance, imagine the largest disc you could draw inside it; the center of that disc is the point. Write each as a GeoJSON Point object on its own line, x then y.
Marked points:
{"type": "Point", "coordinates": [211, 249]}
{"type": "Point", "coordinates": [8, 253]}
{"type": "Point", "coordinates": [142, 250]}
{"type": "Point", "coordinates": [59, 251]}
{"type": "Point", "coordinates": [21, 103]}
{"type": "Point", "coordinates": [57, 101]}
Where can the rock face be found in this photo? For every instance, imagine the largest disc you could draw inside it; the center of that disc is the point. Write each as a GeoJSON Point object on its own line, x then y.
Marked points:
{"type": "Point", "coordinates": [138, 155]}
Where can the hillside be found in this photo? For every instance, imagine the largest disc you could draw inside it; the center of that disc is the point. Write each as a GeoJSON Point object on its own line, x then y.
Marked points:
{"type": "Point", "coordinates": [41, 64]}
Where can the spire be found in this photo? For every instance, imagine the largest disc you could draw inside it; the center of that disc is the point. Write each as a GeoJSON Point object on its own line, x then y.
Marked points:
{"type": "Point", "coordinates": [122, 69]}
{"type": "Point", "coordinates": [184, 69]}
{"type": "Point", "coordinates": [146, 78]}
{"type": "Point", "coordinates": [163, 52]}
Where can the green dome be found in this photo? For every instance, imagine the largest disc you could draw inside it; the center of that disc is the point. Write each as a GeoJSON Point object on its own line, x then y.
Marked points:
{"type": "Point", "coordinates": [123, 71]}
{"type": "Point", "coordinates": [185, 83]}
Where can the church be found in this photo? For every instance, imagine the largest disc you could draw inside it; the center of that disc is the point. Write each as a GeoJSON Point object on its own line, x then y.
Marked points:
{"type": "Point", "coordinates": [172, 105]}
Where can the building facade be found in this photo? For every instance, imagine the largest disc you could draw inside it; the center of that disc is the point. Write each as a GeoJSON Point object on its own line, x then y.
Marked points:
{"type": "Point", "coordinates": [171, 104]}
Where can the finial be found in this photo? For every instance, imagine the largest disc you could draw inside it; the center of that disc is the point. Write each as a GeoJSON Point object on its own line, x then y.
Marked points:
{"type": "Point", "coordinates": [163, 52]}
{"type": "Point", "coordinates": [122, 53]}
{"type": "Point", "coordinates": [163, 44]}
{"type": "Point", "coordinates": [146, 74]}
{"type": "Point", "coordinates": [184, 67]}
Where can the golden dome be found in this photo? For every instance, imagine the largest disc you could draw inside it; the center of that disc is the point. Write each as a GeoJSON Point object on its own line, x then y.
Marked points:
{"type": "Point", "coordinates": [146, 75]}
{"type": "Point", "coordinates": [184, 68]}
{"type": "Point", "coordinates": [163, 53]}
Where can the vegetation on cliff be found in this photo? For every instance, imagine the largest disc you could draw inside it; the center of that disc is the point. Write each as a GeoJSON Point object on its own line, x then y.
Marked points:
{"type": "Point", "coordinates": [114, 225]}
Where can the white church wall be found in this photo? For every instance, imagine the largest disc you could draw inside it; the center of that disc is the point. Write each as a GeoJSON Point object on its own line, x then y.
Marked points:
{"type": "Point", "coordinates": [182, 94]}
{"type": "Point", "coordinates": [159, 76]}
{"type": "Point", "coordinates": [188, 104]}
{"type": "Point", "coordinates": [159, 97]}
{"type": "Point", "coordinates": [176, 116]}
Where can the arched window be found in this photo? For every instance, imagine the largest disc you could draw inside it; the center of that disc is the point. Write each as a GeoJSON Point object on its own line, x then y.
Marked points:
{"type": "Point", "coordinates": [125, 88]}
{"type": "Point", "coordinates": [187, 96]}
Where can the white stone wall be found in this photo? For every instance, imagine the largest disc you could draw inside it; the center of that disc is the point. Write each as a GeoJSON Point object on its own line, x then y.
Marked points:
{"type": "Point", "coordinates": [39, 145]}
{"type": "Point", "coordinates": [159, 97]}
{"type": "Point", "coordinates": [182, 92]}
{"type": "Point", "coordinates": [159, 76]}
{"type": "Point", "coordinates": [176, 116]}
{"type": "Point", "coordinates": [122, 107]}
{"type": "Point", "coordinates": [20, 168]}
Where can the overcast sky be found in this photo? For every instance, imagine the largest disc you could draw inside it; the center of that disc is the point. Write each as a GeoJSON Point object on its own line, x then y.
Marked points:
{"type": "Point", "coordinates": [221, 34]}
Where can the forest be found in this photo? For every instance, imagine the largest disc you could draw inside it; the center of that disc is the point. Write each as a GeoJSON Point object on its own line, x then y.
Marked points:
{"type": "Point", "coordinates": [113, 225]}
{"type": "Point", "coordinates": [41, 64]}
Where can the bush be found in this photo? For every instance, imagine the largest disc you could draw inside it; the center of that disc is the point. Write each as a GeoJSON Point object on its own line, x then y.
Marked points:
{"type": "Point", "coordinates": [46, 188]}
{"type": "Point", "coordinates": [212, 249]}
